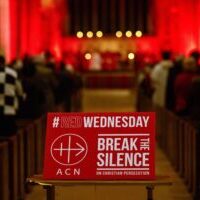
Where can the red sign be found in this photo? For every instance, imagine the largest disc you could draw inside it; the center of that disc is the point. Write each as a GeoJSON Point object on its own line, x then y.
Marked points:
{"type": "Point", "coordinates": [100, 146]}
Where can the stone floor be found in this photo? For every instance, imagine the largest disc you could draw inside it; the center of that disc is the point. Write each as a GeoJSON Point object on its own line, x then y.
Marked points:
{"type": "Point", "coordinates": [121, 101]}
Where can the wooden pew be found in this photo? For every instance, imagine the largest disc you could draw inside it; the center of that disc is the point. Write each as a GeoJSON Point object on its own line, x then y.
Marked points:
{"type": "Point", "coordinates": [23, 123]}
{"type": "Point", "coordinates": [181, 148]}
{"type": "Point", "coordinates": [175, 142]}
{"type": "Point", "coordinates": [21, 156]}
{"type": "Point", "coordinates": [4, 172]}
{"type": "Point", "coordinates": [39, 144]}
{"type": "Point", "coordinates": [197, 172]}
{"type": "Point", "coordinates": [21, 164]}
{"type": "Point", "coordinates": [195, 156]}
{"type": "Point", "coordinates": [191, 165]}
{"type": "Point", "coordinates": [179, 139]}
{"type": "Point", "coordinates": [12, 166]}
{"type": "Point", "coordinates": [29, 149]}
{"type": "Point", "coordinates": [186, 153]}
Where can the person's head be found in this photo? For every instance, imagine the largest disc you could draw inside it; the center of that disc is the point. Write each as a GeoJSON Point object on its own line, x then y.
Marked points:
{"type": "Point", "coordinates": [16, 64]}
{"type": "Point", "coordinates": [2, 61]}
{"type": "Point", "coordinates": [29, 69]}
{"type": "Point", "coordinates": [48, 55]}
{"type": "Point", "coordinates": [189, 64]}
{"type": "Point", "coordinates": [166, 55]}
{"type": "Point", "coordinates": [196, 55]}
{"type": "Point", "coordinates": [147, 69]}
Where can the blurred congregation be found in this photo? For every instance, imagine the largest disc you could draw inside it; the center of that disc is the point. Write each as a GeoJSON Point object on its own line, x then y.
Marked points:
{"type": "Point", "coordinates": [174, 84]}
{"type": "Point", "coordinates": [53, 50]}
{"type": "Point", "coordinates": [32, 88]}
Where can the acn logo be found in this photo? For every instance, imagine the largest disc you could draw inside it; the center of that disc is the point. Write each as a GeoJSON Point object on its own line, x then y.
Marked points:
{"type": "Point", "coordinates": [69, 149]}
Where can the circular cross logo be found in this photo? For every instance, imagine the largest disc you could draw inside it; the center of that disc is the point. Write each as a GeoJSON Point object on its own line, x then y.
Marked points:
{"type": "Point", "coordinates": [69, 149]}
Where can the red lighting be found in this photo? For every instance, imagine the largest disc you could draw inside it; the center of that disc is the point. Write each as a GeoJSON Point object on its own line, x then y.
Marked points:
{"type": "Point", "coordinates": [40, 25]}
{"type": "Point", "coordinates": [57, 52]}
{"type": "Point", "coordinates": [5, 29]}
{"type": "Point", "coordinates": [177, 24]}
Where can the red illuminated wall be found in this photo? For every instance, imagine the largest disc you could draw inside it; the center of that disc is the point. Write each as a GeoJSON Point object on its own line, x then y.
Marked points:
{"type": "Point", "coordinates": [31, 26]}
{"type": "Point", "coordinates": [178, 24]}
{"type": "Point", "coordinates": [4, 28]}
{"type": "Point", "coordinates": [176, 27]}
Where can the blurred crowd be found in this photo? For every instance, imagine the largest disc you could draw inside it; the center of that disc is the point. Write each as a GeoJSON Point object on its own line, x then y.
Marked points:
{"type": "Point", "coordinates": [36, 85]}
{"type": "Point", "coordinates": [32, 87]}
{"type": "Point", "coordinates": [174, 84]}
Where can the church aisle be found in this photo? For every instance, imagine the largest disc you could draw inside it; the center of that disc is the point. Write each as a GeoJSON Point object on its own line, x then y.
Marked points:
{"type": "Point", "coordinates": [109, 100]}
{"type": "Point", "coordinates": [118, 101]}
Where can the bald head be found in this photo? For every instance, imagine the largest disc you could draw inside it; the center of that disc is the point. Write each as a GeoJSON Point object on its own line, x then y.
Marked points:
{"type": "Point", "coordinates": [189, 64]}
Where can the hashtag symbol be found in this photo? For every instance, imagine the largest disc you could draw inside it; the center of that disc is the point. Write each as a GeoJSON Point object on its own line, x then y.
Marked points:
{"type": "Point", "coordinates": [55, 122]}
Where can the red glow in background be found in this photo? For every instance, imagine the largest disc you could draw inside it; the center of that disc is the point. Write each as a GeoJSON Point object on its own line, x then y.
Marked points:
{"type": "Point", "coordinates": [37, 25]}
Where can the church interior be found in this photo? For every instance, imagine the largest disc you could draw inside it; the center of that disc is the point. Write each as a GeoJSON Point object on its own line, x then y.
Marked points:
{"type": "Point", "coordinates": [99, 56]}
